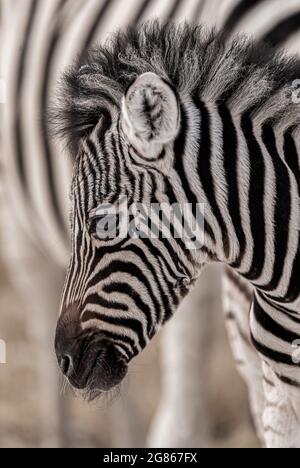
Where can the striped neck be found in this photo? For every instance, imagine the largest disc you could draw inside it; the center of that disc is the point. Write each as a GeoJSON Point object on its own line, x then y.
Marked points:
{"type": "Point", "coordinates": [246, 173]}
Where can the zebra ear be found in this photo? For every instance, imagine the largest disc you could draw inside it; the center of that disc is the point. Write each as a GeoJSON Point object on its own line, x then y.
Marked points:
{"type": "Point", "coordinates": [151, 113]}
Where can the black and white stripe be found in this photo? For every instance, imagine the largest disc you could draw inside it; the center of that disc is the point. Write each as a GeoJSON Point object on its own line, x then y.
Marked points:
{"type": "Point", "coordinates": [248, 226]}
{"type": "Point", "coordinates": [237, 115]}
{"type": "Point", "coordinates": [50, 37]}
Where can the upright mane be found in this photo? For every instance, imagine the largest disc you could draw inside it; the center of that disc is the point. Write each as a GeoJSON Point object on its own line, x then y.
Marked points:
{"type": "Point", "coordinates": [198, 63]}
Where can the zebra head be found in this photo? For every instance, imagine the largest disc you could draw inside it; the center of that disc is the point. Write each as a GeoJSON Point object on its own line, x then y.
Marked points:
{"type": "Point", "coordinates": [127, 123]}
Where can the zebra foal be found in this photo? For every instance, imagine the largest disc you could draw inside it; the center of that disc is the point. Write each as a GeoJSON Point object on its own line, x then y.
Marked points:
{"type": "Point", "coordinates": [45, 36]}
{"type": "Point", "coordinates": [174, 114]}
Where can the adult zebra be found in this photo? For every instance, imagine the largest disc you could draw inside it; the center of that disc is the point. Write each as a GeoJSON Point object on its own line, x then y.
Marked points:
{"type": "Point", "coordinates": [45, 37]}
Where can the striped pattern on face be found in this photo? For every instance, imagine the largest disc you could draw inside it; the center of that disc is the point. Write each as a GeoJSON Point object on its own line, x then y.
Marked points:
{"type": "Point", "coordinates": [127, 287]}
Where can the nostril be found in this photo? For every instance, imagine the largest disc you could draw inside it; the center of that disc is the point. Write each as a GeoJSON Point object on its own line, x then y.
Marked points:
{"type": "Point", "coordinates": [66, 364]}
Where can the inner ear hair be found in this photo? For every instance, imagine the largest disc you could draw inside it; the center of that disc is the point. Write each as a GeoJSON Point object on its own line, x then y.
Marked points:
{"type": "Point", "coordinates": [151, 111]}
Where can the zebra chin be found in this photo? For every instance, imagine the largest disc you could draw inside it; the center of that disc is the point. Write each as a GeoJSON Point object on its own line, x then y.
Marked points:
{"type": "Point", "coordinates": [91, 362]}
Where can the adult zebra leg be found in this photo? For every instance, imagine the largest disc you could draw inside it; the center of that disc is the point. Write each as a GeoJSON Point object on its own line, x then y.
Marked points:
{"type": "Point", "coordinates": [237, 297]}
{"type": "Point", "coordinates": [281, 416]}
{"type": "Point", "coordinates": [181, 419]}
{"type": "Point", "coordinates": [38, 283]}
{"type": "Point", "coordinates": [274, 333]}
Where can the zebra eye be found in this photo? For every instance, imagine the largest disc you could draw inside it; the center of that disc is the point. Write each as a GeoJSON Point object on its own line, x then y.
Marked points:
{"type": "Point", "coordinates": [104, 227]}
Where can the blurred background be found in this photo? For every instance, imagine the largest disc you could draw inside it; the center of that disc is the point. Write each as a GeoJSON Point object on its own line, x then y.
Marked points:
{"type": "Point", "coordinates": [36, 408]}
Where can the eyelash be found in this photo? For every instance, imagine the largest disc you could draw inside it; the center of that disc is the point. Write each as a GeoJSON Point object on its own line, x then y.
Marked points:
{"type": "Point", "coordinates": [109, 231]}
{"type": "Point", "coordinates": [94, 220]}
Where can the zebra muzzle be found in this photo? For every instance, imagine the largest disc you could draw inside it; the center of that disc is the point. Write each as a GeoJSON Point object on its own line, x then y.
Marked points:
{"type": "Point", "coordinates": [90, 362]}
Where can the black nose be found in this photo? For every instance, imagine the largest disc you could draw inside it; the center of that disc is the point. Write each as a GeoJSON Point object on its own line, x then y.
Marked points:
{"type": "Point", "coordinates": [67, 351]}
{"type": "Point", "coordinates": [69, 363]}
{"type": "Point", "coordinates": [89, 360]}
